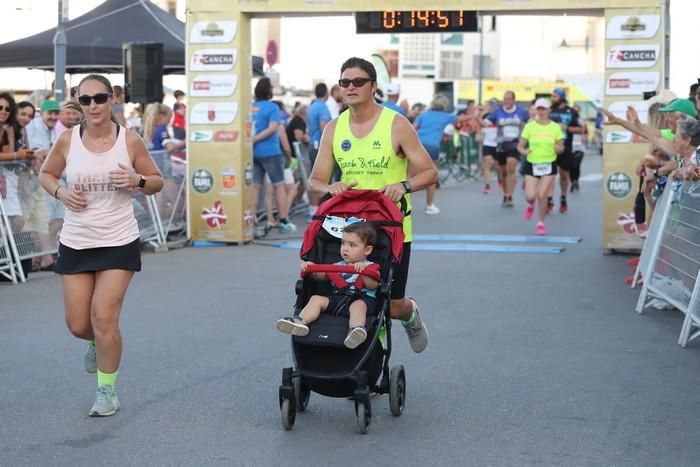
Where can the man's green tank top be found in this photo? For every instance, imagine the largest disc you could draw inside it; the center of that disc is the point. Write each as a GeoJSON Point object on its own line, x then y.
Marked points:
{"type": "Point", "coordinates": [371, 161]}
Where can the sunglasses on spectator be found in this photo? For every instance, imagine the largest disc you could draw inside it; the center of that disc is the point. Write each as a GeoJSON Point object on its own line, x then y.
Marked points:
{"type": "Point", "coordinates": [6, 108]}
{"type": "Point", "coordinates": [100, 98]}
{"type": "Point", "coordinates": [357, 82]}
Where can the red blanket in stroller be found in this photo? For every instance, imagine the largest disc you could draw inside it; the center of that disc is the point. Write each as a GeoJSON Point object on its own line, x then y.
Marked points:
{"type": "Point", "coordinates": [368, 205]}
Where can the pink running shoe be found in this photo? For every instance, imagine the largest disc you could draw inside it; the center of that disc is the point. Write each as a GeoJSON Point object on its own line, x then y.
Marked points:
{"type": "Point", "coordinates": [529, 210]}
{"type": "Point", "coordinates": [540, 229]}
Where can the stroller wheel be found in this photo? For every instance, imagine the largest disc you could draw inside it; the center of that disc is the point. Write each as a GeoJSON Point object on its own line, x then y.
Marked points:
{"type": "Point", "coordinates": [397, 390]}
{"type": "Point", "coordinates": [288, 414]}
{"type": "Point", "coordinates": [364, 416]}
{"type": "Point", "coordinates": [301, 394]}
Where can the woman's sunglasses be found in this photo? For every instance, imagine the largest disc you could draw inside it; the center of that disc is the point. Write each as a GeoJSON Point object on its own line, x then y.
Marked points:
{"type": "Point", "coordinates": [6, 108]}
{"type": "Point", "coordinates": [357, 82]}
{"type": "Point", "coordinates": [100, 98]}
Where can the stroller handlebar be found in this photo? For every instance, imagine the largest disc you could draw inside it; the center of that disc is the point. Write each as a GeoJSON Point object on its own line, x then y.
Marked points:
{"type": "Point", "coordinates": [372, 271]}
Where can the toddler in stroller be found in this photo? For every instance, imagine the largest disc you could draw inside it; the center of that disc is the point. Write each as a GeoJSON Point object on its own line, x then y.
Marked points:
{"type": "Point", "coordinates": [341, 328]}
{"type": "Point", "coordinates": [354, 290]}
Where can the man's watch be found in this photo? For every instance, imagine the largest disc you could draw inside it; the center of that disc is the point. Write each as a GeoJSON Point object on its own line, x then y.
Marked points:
{"type": "Point", "coordinates": [406, 186]}
{"type": "Point", "coordinates": [142, 182]}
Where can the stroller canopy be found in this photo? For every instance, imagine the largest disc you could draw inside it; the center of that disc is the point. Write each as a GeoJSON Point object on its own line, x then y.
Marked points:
{"type": "Point", "coordinates": [369, 205]}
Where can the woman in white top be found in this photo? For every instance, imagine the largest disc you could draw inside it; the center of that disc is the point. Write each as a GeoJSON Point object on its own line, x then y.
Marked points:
{"type": "Point", "coordinates": [99, 244]}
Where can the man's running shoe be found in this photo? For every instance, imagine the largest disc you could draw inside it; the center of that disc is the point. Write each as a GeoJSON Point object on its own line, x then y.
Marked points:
{"type": "Point", "coordinates": [540, 229]}
{"type": "Point", "coordinates": [487, 189]}
{"type": "Point", "coordinates": [507, 202]}
{"type": "Point", "coordinates": [106, 402]}
{"type": "Point", "coordinates": [550, 207]}
{"type": "Point", "coordinates": [529, 210]}
{"type": "Point", "coordinates": [432, 210]}
{"type": "Point", "coordinates": [91, 359]}
{"type": "Point", "coordinates": [287, 227]}
{"type": "Point", "coordinates": [563, 206]}
{"type": "Point", "coordinates": [574, 186]}
{"type": "Point", "coordinates": [293, 326]}
{"type": "Point", "coordinates": [417, 331]}
{"type": "Point", "coordinates": [355, 337]}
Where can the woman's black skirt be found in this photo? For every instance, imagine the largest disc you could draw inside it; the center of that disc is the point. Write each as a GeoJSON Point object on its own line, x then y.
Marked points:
{"type": "Point", "coordinates": [71, 261]}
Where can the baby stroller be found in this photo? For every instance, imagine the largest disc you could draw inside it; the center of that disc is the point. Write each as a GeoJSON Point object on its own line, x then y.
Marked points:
{"type": "Point", "coordinates": [322, 363]}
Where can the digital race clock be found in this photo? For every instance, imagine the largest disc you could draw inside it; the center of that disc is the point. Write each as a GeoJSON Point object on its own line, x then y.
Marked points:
{"type": "Point", "coordinates": [415, 21]}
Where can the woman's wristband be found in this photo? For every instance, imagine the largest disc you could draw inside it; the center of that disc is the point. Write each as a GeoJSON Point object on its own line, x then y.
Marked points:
{"type": "Point", "coordinates": [55, 193]}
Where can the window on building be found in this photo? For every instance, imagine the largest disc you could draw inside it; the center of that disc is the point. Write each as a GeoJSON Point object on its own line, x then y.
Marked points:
{"type": "Point", "coordinates": [493, 23]}
{"type": "Point", "coordinates": [476, 64]}
{"type": "Point", "coordinates": [451, 64]}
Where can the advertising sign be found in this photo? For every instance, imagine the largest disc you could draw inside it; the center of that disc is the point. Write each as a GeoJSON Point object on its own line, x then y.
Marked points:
{"type": "Point", "coordinates": [213, 32]}
{"type": "Point", "coordinates": [633, 27]}
{"type": "Point", "coordinates": [633, 56]}
{"type": "Point", "coordinates": [213, 113]}
{"type": "Point", "coordinates": [213, 85]}
{"type": "Point", "coordinates": [213, 59]}
{"type": "Point", "coordinates": [632, 83]}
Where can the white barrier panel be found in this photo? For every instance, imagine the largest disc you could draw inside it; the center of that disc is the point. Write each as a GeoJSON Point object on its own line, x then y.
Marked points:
{"type": "Point", "coordinates": [672, 264]}
{"type": "Point", "coordinates": [655, 229]}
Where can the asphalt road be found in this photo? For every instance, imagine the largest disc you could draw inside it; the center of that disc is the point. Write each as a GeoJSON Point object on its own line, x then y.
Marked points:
{"type": "Point", "coordinates": [533, 360]}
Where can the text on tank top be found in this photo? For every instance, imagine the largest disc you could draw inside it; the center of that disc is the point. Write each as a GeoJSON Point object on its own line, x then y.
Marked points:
{"type": "Point", "coordinates": [108, 220]}
{"type": "Point", "coordinates": [370, 161]}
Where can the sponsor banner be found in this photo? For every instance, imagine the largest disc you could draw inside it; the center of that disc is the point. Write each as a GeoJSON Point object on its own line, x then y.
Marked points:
{"type": "Point", "coordinates": [619, 109]}
{"type": "Point", "coordinates": [213, 59]}
{"type": "Point", "coordinates": [213, 85]}
{"type": "Point", "coordinates": [226, 136]}
{"type": "Point", "coordinates": [619, 184]}
{"type": "Point", "coordinates": [633, 56]}
{"type": "Point", "coordinates": [213, 113]}
{"type": "Point", "coordinates": [633, 27]}
{"type": "Point", "coordinates": [213, 32]}
{"type": "Point", "coordinates": [632, 83]}
{"type": "Point", "coordinates": [199, 136]}
{"type": "Point", "coordinates": [202, 181]}
{"type": "Point", "coordinates": [619, 137]}
{"type": "Point", "coordinates": [229, 182]}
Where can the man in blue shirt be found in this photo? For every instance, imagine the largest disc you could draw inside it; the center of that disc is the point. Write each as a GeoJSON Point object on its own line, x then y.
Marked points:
{"type": "Point", "coordinates": [392, 97]}
{"type": "Point", "coordinates": [509, 120]}
{"type": "Point", "coordinates": [318, 117]}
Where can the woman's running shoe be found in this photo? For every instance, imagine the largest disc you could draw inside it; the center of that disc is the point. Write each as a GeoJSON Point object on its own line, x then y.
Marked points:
{"type": "Point", "coordinates": [91, 359]}
{"type": "Point", "coordinates": [487, 189]}
{"type": "Point", "coordinates": [106, 402]}
{"type": "Point", "coordinates": [540, 229]}
{"type": "Point", "coordinates": [529, 210]}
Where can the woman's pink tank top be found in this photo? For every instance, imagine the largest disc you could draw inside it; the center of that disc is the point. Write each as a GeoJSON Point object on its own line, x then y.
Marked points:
{"type": "Point", "coordinates": [109, 218]}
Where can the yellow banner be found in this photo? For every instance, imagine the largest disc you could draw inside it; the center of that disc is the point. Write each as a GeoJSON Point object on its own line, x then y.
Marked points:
{"type": "Point", "coordinates": [220, 170]}
{"type": "Point", "coordinates": [634, 65]}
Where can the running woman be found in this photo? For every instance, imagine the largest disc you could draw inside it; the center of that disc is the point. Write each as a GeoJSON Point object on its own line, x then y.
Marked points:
{"type": "Point", "coordinates": [489, 135]}
{"type": "Point", "coordinates": [540, 142]}
{"type": "Point", "coordinates": [99, 247]}
{"type": "Point", "coordinates": [376, 149]}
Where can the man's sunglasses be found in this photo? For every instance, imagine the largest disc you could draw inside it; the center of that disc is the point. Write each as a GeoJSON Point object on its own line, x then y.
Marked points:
{"type": "Point", "coordinates": [100, 98]}
{"type": "Point", "coordinates": [357, 82]}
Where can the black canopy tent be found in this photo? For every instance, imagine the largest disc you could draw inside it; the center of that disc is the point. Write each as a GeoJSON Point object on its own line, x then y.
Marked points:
{"type": "Point", "coordinates": [95, 39]}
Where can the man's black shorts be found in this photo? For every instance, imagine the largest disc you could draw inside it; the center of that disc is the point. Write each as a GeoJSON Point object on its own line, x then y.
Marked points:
{"type": "Point", "coordinates": [566, 161]}
{"type": "Point", "coordinates": [398, 283]}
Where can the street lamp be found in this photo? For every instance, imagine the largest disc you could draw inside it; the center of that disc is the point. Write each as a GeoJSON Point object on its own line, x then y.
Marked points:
{"type": "Point", "coordinates": [60, 44]}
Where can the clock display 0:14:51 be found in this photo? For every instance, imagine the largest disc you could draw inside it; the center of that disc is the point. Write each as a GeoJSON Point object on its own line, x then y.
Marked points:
{"type": "Point", "coordinates": [420, 19]}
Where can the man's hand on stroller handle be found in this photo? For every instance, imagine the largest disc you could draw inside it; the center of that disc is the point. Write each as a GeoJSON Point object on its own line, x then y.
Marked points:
{"type": "Point", "coordinates": [339, 187]}
{"type": "Point", "coordinates": [394, 192]}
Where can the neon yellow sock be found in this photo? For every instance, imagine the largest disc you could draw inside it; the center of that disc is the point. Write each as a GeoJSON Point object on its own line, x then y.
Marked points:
{"type": "Point", "coordinates": [411, 319]}
{"type": "Point", "coordinates": [107, 379]}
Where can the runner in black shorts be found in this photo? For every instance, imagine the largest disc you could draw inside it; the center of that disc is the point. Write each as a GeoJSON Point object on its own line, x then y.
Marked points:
{"type": "Point", "coordinates": [489, 133]}
{"type": "Point", "coordinates": [567, 117]}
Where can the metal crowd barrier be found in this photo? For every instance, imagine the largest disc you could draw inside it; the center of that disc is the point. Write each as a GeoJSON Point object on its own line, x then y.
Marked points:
{"type": "Point", "coordinates": [30, 219]}
{"type": "Point", "coordinates": [671, 257]}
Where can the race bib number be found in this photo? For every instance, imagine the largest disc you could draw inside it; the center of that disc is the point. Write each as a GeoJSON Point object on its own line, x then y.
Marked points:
{"type": "Point", "coordinates": [335, 225]}
{"type": "Point", "coordinates": [540, 170]}
{"type": "Point", "coordinates": [511, 132]}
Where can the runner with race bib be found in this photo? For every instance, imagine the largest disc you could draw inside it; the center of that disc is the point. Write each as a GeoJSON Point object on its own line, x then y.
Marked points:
{"type": "Point", "coordinates": [541, 141]}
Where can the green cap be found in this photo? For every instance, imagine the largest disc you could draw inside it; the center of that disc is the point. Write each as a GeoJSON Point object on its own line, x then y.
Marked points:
{"type": "Point", "coordinates": [50, 105]}
{"type": "Point", "coordinates": [681, 105]}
